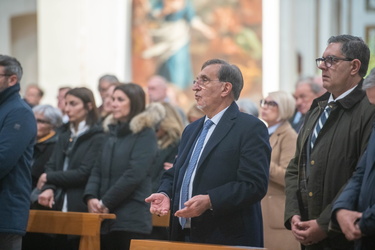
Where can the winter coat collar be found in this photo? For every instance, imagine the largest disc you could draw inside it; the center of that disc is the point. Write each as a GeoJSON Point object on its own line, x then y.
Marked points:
{"type": "Point", "coordinates": [347, 102]}
{"type": "Point", "coordinates": [8, 92]}
{"type": "Point", "coordinates": [149, 118]}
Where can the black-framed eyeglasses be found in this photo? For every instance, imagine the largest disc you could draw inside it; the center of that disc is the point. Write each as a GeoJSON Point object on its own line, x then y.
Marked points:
{"type": "Point", "coordinates": [330, 60]}
{"type": "Point", "coordinates": [5, 75]}
{"type": "Point", "coordinates": [264, 103]}
{"type": "Point", "coordinates": [201, 82]}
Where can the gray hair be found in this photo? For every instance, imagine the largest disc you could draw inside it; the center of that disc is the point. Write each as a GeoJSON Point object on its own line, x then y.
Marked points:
{"type": "Point", "coordinates": [355, 48]}
{"type": "Point", "coordinates": [228, 73]}
{"type": "Point", "coordinates": [369, 82]}
{"type": "Point", "coordinates": [109, 78]}
{"type": "Point", "coordinates": [52, 114]}
{"type": "Point", "coordinates": [248, 106]}
{"type": "Point", "coordinates": [314, 87]}
{"type": "Point", "coordinates": [12, 66]}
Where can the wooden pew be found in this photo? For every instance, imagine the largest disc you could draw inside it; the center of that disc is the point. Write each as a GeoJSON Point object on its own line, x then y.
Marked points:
{"type": "Point", "coordinates": [160, 221]}
{"type": "Point", "coordinates": [87, 225]}
{"type": "Point", "coordinates": [171, 245]}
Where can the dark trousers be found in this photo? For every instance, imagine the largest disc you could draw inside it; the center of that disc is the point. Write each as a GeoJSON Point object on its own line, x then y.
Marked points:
{"type": "Point", "coordinates": [10, 241]}
{"type": "Point", "coordinates": [41, 241]}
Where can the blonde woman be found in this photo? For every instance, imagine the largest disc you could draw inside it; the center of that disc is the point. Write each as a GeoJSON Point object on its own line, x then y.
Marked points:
{"type": "Point", "coordinates": [275, 110]}
{"type": "Point", "coordinates": [168, 133]}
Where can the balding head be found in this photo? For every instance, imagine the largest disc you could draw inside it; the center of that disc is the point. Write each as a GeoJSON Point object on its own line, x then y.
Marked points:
{"type": "Point", "coordinates": [157, 89]}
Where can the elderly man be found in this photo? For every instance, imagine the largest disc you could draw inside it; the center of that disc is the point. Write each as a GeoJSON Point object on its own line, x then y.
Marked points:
{"type": "Point", "coordinates": [354, 210]}
{"type": "Point", "coordinates": [33, 95]}
{"type": "Point", "coordinates": [330, 143]}
{"type": "Point", "coordinates": [307, 89]}
{"type": "Point", "coordinates": [157, 91]}
{"type": "Point", "coordinates": [221, 172]}
{"type": "Point", "coordinates": [17, 137]}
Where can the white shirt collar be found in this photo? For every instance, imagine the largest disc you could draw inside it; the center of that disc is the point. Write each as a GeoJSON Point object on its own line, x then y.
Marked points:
{"type": "Point", "coordinates": [217, 117]}
{"type": "Point", "coordinates": [82, 127]}
{"type": "Point", "coordinates": [341, 96]}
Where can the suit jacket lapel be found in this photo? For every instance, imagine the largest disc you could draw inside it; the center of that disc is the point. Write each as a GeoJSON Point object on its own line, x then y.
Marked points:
{"type": "Point", "coordinates": [222, 128]}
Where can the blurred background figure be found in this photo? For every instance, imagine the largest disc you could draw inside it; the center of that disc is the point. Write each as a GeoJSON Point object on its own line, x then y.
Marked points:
{"type": "Point", "coordinates": [107, 102]}
{"type": "Point", "coordinates": [275, 110]}
{"type": "Point", "coordinates": [33, 95]}
{"type": "Point", "coordinates": [157, 91]}
{"type": "Point", "coordinates": [121, 178]}
{"type": "Point", "coordinates": [194, 113]}
{"type": "Point", "coordinates": [168, 133]}
{"type": "Point", "coordinates": [79, 142]}
{"type": "Point", "coordinates": [246, 105]}
{"type": "Point", "coordinates": [61, 102]}
{"type": "Point", "coordinates": [307, 89]}
{"type": "Point", "coordinates": [103, 84]}
{"type": "Point", "coordinates": [48, 119]}
{"type": "Point", "coordinates": [157, 88]}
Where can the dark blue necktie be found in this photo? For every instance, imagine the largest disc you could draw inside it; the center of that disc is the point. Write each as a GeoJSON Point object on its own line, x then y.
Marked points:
{"type": "Point", "coordinates": [319, 125]}
{"type": "Point", "coordinates": [190, 169]}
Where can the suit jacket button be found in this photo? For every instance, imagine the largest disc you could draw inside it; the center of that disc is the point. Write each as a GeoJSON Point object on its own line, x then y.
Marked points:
{"type": "Point", "coordinates": [312, 162]}
{"type": "Point", "coordinates": [310, 194]}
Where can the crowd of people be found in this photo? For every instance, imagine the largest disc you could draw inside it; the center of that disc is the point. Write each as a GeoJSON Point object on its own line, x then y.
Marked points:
{"type": "Point", "coordinates": [294, 172]}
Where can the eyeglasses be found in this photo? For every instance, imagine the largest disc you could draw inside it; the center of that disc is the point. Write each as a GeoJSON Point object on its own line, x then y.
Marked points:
{"type": "Point", "coordinates": [264, 103]}
{"type": "Point", "coordinates": [5, 75]}
{"type": "Point", "coordinates": [42, 121]}
{"type": "Point", "coordinates": [203, 81]}
{"type": "Point", "coordinates": [330, 60]}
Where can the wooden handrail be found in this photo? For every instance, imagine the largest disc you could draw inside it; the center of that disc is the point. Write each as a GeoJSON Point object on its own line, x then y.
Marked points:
{"type": "Point", "coordinates": [87, 225]}
{"type": "Point", "coordinates": [172, 245]}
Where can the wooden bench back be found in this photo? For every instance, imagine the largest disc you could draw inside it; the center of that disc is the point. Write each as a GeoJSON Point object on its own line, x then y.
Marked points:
{"type": "Point", "coordinates": [162, 221]}
{"type": "Point", "coordinates": [87, 225]}
{"type": "Point", "coordinates": [170, 245]}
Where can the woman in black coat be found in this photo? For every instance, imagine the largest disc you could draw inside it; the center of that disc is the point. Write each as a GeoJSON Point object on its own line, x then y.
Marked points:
{"type": "Point", "coordinates": [120, 181]}
{"type": "Point", "coordinates": [67, 171]}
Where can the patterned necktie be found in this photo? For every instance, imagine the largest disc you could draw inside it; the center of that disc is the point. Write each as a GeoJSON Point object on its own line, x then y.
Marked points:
{"type": "Point", "coordinates": [190, 169]}
{"type": "Point", "coordinates": [319, 125]}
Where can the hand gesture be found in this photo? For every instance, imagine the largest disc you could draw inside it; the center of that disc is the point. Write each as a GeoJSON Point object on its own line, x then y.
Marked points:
{"type": "Point", "coordinates": [194, 207]}
{"type": "Point", "coordinates": [160, 204]}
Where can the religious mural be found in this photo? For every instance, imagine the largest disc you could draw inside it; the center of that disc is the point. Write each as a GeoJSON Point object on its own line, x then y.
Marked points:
{"type": "Point", "coordinates": [172, 38]}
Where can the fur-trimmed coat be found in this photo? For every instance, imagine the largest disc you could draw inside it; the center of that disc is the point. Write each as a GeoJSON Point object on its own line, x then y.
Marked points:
{"type": "Point", "coordinates": [121, 178]}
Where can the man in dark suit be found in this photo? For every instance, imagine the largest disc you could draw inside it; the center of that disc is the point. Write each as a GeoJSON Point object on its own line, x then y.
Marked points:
{"type": "Point", "coordinates": [354, 210]}
{"type": "Point", "coordinates": [225, 185]}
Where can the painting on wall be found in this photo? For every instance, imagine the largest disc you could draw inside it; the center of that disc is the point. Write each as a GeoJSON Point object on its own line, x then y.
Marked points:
{"type": "Point", "coordinates": [173, 38]}
{"type": "Point", "coordinates": [370, 40]}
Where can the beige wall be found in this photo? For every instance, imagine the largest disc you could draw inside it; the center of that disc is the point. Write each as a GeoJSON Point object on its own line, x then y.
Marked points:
{"type": "Point", "coordinates": [79, 41]}
{"type": "Point", "coordinates": [24, 46]}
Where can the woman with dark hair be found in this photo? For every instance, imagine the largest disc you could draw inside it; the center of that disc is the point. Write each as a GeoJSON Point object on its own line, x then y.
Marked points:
{"type": "Point", "coordinates": [63, 183]}
{"type": "Point", "coordinates": [121, 179]}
